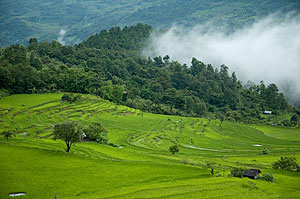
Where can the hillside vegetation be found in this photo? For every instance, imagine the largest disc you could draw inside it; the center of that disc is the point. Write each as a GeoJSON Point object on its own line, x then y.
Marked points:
{"type": "Point", "coordinates": [138, 163]}
{"type": "Point", "coordinates": [21, 19]}
{"type": "Point", "coordinates": [99, 120]}
{"type": "Point", "coordinates": [109, 65]}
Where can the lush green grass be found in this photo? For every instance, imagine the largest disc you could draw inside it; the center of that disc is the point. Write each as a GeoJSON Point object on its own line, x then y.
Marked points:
{"type": "Point", "coordinates": [142, 168]}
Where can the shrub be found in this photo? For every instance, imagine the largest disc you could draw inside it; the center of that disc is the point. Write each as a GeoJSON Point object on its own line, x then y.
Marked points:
{"type": "Point", "coordinates": [294, 119]}
{"type": "Point", "coordinates": [67, 97]}
{"type": "Point", "coordinates": [70, 97]}
{"type": "Point", "coordinates": [112, 144]}
{"type": "Point", "coordinates": [96, 132]}
{"type": "Point", "coordinates": [174, 149]}
{"type": "Point", "coordinates": [267, 177]}
{"type": "Point", "coordinates": [287, 163]}
{"type": "Point", "coordinates": [238, 172]}
{"type": "Point", "coordinates": [286, 123]}
{"type": "Point", "coordinates": [265, 151]}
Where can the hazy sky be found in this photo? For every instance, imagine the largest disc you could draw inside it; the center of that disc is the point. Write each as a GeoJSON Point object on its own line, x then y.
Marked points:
{"type": "Point", "coordinates": [267, 50]}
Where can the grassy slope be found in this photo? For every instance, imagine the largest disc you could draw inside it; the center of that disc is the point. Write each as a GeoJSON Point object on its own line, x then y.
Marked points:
{"type": "Point", "coordinates": [143, 168]}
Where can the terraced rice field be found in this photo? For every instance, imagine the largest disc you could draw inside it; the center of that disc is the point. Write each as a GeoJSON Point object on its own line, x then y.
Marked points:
{"type": "Point", "coordinates": [141, 166]}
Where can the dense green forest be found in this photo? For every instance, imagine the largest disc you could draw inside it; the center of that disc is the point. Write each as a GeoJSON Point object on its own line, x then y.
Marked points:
{"type": "Point", "coordinates": [21, 19]}
{"type": "Point", "coordinates": [109, 65]}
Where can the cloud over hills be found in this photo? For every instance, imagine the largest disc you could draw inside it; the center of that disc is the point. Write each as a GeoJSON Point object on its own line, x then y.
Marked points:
{"type": "Point", "coordinates": [267, 50]}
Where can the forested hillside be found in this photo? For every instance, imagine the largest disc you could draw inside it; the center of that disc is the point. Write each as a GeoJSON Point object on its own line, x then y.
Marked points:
{"type": "Point", "coordinates": [109, 65]}
{"type": "Point", "coordinates": [21, 19]}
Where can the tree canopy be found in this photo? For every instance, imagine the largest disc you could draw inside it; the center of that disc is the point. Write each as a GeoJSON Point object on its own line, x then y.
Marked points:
{"type": "Point", "coordinates": [69, 132]}
{"type": "Point", "coordinates": [7, 134]}
{"type": "Point", "coordinates": [174, 149]}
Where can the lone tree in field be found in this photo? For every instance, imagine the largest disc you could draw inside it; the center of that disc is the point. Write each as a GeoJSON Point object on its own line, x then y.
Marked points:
{"type": "Point", "coordinates": [174, 149]}
{"type": "Point", "coordinates": [68, 132]}
{"type": "Point", "coordinates": [7, 134]}
{"type": "Point", "coordinates": [222, 118]}
{"type": "Point", "coordinates": [210, 165]}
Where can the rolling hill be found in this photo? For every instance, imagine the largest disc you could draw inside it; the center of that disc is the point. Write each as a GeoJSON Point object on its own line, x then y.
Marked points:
{"type": "Point", "coordinates": [140, 165]}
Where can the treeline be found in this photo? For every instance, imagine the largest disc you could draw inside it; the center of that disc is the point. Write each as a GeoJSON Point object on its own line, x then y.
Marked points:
{"type": "Point", "coordinates": [109, 65]}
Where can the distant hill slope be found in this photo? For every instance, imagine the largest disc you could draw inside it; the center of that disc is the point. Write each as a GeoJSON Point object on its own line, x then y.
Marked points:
{"type": "Point", "coordinates": [20, 19]}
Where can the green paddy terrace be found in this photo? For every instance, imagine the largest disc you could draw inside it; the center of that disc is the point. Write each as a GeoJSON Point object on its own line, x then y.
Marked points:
{"type": "Point", "coordinates": [141, 166]}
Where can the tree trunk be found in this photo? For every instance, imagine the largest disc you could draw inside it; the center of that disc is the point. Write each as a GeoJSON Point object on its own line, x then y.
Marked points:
{"type": "Point", "coordinates": [68, 148]}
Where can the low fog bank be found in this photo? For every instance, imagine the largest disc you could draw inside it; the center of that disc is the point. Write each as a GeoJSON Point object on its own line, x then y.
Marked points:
{"type": "Point", "coordinates": [267, 50]}
{"type": "Point", "coordinates": [60, 37]}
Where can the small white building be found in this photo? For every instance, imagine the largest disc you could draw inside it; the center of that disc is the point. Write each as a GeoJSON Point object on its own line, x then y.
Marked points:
{"type": "Point", "coordinates": [268, 112]}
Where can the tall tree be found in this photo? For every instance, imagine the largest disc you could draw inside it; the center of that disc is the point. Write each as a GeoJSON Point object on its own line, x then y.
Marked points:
{"type": "Point", "coordinates": [69, 132]}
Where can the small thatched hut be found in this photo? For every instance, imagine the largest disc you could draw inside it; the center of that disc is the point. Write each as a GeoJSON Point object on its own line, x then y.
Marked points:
{"type": "Point", "coordinates": [252, 173]}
